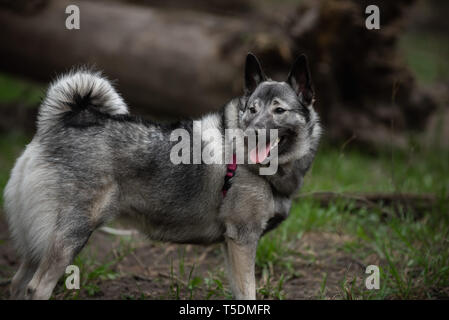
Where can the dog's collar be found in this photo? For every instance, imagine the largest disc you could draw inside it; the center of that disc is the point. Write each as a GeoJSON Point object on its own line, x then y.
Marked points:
{"type": "Point", "coordinates": [230, 172]}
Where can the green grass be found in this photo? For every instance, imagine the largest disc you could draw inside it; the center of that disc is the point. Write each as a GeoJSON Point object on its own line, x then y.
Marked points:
{"type": "Point", "coordinates": [16, 90]}
{"type": "Point", "coordinates": [417, 169]}
{"type": "Point", "coordinates": [11, 146]}
{"type": "Point", "coordinates": [214, 285]}
{"type": "Point", "coordinates": [413, 251]}
{"type": "Point", "coordinates": [183, 282]}
{"type": "Point", "coordinates": [426, 54]}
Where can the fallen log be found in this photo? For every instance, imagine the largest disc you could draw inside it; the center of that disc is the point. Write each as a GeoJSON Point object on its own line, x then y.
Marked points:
{"type": "Point", "coordinates": [173, 63]}
{"type": "Point", "coordinates": [386, 203]}
{"type": "Point", "coordinates": [228, 7]}
{"type": "Point", "coordinates": [179, 62]}
{"type": "Point", "coordinates": [370, 93]}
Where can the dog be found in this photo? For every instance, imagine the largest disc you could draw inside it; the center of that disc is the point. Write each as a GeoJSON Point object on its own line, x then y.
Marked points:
{"type": "Point", "coordinates": [90, 162]}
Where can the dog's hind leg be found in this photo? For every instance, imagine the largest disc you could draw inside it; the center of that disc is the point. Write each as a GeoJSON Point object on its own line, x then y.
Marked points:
{"type": "Point", "coordinates": [71, 232]}
{"type": "Point", "coordinates": [22, 278]}
{"type": "Point", "coordinates": [65, 245]}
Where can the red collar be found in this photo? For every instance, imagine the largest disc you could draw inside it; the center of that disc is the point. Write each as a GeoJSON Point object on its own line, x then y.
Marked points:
{"type": "Point", "coordinates": [230, 172]}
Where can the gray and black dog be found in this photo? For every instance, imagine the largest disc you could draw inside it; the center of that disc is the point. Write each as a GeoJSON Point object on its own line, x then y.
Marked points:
{"type": "Point", "coordinates": [91, 161]}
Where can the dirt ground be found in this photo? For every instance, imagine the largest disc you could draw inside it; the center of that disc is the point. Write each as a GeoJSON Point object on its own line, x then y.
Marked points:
{"type": "Point", "coordinates": [145, 271]}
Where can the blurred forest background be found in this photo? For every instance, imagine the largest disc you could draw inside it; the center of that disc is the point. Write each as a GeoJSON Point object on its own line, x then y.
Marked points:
{"type": "Point", "coordinates": [378, 191]}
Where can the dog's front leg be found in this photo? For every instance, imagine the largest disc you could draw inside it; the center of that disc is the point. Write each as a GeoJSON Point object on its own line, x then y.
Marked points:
{"type": "Point", "coordinates": [240, 258]}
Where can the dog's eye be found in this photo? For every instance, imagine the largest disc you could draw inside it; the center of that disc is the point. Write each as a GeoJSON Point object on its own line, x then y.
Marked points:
{"type": "Point", "coordinates": [252, 109]}
{"type": "Point", "coordinates": [279, 110]}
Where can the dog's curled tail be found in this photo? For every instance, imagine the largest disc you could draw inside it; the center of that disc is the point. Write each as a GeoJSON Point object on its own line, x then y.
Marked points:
{"type": "Point", "coordinates": [77, 91]}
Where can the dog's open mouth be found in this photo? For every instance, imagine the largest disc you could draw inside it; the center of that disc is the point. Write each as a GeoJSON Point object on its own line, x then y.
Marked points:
{"type": "Point", "coordinates": [258, 155]}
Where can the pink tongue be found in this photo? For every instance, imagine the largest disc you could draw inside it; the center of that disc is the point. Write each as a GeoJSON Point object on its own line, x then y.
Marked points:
{"type": "Point", "coordinates": [258, 156]}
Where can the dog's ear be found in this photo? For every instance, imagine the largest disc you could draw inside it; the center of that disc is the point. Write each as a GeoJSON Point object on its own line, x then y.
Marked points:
{"type": "Point", "coordinates": [253, 74]}
{"type": "Point", "coordinates": [300, 80]}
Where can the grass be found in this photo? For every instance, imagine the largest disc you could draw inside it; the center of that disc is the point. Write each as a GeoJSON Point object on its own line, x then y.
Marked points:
{"type": "Point", "coordinates": [16, 90]}
{"type": "Point", "coordinates": [11, 145]}
{"type": "Point", "coordinates": [412, 253]}
{"type": "Point", "coordinates": [214, 285]}
{"type": "Point", "coordinates": [417, 169]}
{"type": "Point", "coordinates": [426, 54]}
{"type": "Point", "coordinates": [177, 284]}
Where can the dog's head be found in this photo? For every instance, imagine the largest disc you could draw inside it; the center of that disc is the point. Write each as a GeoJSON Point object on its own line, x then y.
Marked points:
{"type": "Point", "coordinates": [284, 106]}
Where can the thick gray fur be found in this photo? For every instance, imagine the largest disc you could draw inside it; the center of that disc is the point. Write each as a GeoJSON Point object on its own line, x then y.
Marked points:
{"type": "Point", "coordinates": [91, 162]}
